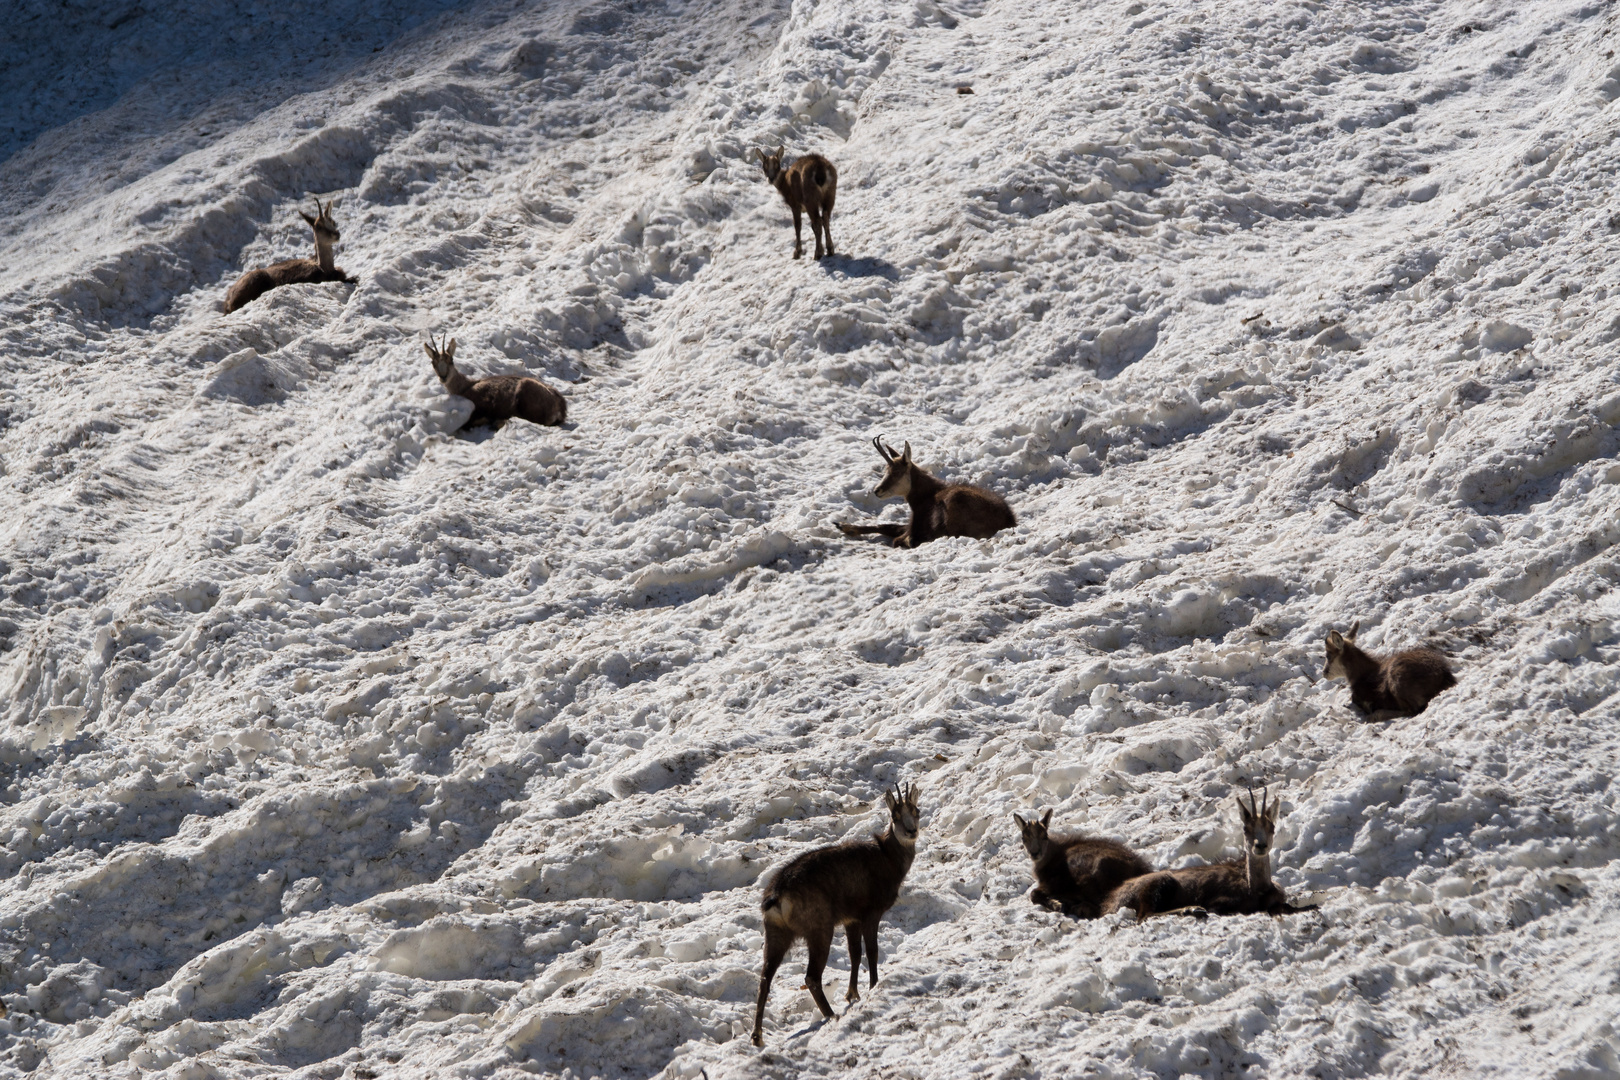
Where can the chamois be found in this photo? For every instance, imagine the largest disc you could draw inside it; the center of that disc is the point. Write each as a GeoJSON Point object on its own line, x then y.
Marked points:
{"type": "Point", "coordinates": [850, 885]}
{"type": "Point", "coordinates": [497, 398]}
{"type": "Point", "coordinates": [255, 283]}
{"type": "Point", "coordinates": [1075, 874]}
{"type": "Point", "coordinates": [937, 508]}
{"type": "Point", "coordinates": [1240, 887]}
{"type": "Point", "coordinates": [1391, 687]}
{"type": "Point", "coordinates": [808, 186]}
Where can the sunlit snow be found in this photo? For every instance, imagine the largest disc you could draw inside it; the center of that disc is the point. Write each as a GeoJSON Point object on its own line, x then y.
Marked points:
{"type": "Point", "coordinates": [336, 745]}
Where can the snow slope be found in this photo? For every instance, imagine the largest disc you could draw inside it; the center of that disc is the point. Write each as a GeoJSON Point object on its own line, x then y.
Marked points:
{"type": "Point", "coordinates": [334, 746]}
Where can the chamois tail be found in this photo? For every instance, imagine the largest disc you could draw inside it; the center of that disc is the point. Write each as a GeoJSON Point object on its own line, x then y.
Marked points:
{"type": "Point", "coordinates": [819, 177]}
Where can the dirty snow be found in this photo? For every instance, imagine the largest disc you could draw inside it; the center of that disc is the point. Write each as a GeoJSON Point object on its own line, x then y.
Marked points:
{"type": "Point", "coordinates": [336, 746]}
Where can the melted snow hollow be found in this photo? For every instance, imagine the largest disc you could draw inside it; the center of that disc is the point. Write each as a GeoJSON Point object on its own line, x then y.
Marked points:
{"type": "Point", "coordinates": [335, 746]}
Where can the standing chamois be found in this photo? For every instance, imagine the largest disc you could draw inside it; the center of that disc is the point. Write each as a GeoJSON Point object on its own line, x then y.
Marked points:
{"type": "Point", "coordinates": [850, 885]}
{"type": "Point", "coordinates": [255, 283]}
{"type": "Point", "coordinates": [1075, 874]}
{"type": "Point", "coordinates": [1389, 688]}
{"type": "Point", "coordinates": [1240, 887]}
{"type": "Point", "coordinates": [937, 508]}
{"type": "Point", "coordinates": [809, 186]}
{"type": "Point", "coordinates": [497, 398]}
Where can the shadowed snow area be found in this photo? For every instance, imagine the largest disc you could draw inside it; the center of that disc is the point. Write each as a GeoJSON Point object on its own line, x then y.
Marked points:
{"type": "Point", "coordinates": [334, 745]}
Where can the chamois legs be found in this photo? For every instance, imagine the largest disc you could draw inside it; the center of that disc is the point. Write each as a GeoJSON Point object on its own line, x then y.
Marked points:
{"type": "Point", "coordinates": [892, 531]}
{"type": "Point", "coordinates": [869, 932]}
{"type": "Point", "coordinates": [820, 945]}
{"type": "Point", "coordinates": [853, 932]}
{"type": "Point", "coordinates": [798, 233]}
{"type": "Point", "coordinates": [777, 943]}
{"type": "Point", "coordinates": [820, 219]}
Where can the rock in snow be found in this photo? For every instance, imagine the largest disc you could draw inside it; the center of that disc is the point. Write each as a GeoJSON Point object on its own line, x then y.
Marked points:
{"type": "Point", "coordinates": [335, 746]}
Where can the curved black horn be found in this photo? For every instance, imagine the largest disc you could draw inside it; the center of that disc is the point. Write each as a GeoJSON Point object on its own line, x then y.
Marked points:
{"type": "Point", "coordinates": [878, 442]}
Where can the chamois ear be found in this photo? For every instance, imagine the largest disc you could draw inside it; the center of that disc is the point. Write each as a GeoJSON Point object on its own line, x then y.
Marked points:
{"type": "Point", "coordinates": [307, 218]}
{"type": "Point", "coordinates": [1353, 628]}
{"type": "Point", "coordinates": [1335, 640]}
{"type": "Point", "coordinates": [888, 800]}
{"type": "Point", "coordinates": [450, 350]}
{"type": "Point", "coordinates": [905, 455]}
{"type": "Point", "coordinates": [1046, 819]}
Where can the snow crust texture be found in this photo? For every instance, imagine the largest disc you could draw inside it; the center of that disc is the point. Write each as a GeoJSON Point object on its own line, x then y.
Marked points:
{"type": "Point", "coordinates": [332, 745]}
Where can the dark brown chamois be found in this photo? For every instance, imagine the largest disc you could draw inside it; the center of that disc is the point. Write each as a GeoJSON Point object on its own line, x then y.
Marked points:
{"type": "Point", "coordinates": [497, 398]}
{"type": "Point", "coordinates": [850, 885]}
{"type": "Point", "coordinates": [1391, 687]}
{"type": "Point", "coordinates": [1075, 874]}
{"type": "Point", "coordinates": [1240, 887]}
{"type": "Point", "coordinates": [937, 508]}
{"type": "Point", "coordinates": [255, 283]}
{"type": "Point", "coordinates": [809, 186]}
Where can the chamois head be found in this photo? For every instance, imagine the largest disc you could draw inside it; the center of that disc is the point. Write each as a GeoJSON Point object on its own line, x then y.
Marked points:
{"type": "Point", "coordinates": [771, 163]}
{"type": "Point", "coordinates": [326, 230]}
{"type": "Point", "coordinates": [1337, 646]}
{"type": "Point", "coordinates": [1034, 833]}
{"type": "Point", "coordinates": [1259, 824]}
{"type": "Point", "coordinates": [443, 357]}
{"type": "Point", "coordinates": [904, 817]}
{"type": "Point", "coordinates": [896, 482]}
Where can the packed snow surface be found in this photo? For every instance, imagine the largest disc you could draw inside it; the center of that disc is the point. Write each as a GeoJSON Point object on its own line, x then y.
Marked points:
{"type": "Point", "coordinates": [335, 744]}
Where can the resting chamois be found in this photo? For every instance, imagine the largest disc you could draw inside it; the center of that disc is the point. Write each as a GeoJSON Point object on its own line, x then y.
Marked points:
{"type": "Point", "coordinates": [809, 186]}
{"type": "Point", "coordinates": [1075, 874]}
{"type": "Point", "coordinates": [1240, 887]}
{"type": "Point", "coordinates": [497, 398]}
{"type": "Point", "coordinates": [850, 885]}
{"type": "Point", "coordinates": [937, 508]}
{"type": "Point", "coordinates": [255, 283]}
{"type": "Point", "coordinates": [1388, 688]}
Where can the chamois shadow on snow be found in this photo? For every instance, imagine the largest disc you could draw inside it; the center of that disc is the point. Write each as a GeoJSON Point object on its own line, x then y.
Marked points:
{"type": "Point", "coordinates": [859, 267]}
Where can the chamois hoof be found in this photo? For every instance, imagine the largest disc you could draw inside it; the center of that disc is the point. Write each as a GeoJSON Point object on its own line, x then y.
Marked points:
{"type": "Point", "coordinates": [852, 996]}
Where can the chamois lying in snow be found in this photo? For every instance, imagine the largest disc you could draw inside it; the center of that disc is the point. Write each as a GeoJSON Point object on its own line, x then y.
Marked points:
{"type": "Point", "coordinates": [1075, 874]}
{"type": "Point", "coordinates": [497, 398]}
{"type": "Point", "coordinates": [850, 885]}
{"type": "Point", "coordinates": [1388, 688]}
{"type": "Point", "coordinates": [1240, 887]}
{"type": "Point", "coordinates": [255, 283]}
{"type": "Point", "coordinates": [808, 186]}
{"type": "Point", "coordinates": [937, 508]}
